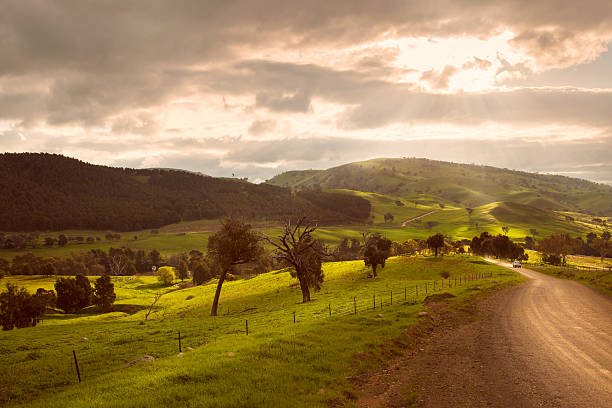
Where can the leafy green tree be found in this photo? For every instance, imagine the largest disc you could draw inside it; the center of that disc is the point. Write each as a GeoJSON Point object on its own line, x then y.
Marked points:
{"type": "Point", "coordinates": [19, 309]}
{"type": "Point", "coordinates": [300, 250]}
{"type": "Point", "coordinates": [389, 217]}
{"type": "Point", "coordinates": [376, 251]}
{"type": "Point", "coordinates": [156, 258]}
{"type": "Point", "coordinates": [505, 229]}
{"type": "Point", "coordinates": [48, 269]}
{"type": "Point", "coordinates": [182, 270]}
{"type": "Point", "coordinates": [435, 242]}
{"type": "Point", "coordinates": [165, 275]}
{"type": "Point", "coordinates": [202, 272]}
{"type": "Point", "coordinates": [559, 245]}
{"type": "Point", "coordinates": [235, 243]}
{"type": "Point", "coordinates": [104, 293]}
{"type": "Point", "coordinates": [62, 240]}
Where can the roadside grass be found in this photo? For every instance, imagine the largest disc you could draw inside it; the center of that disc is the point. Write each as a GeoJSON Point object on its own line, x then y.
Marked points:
{"type": "Point", "coordinates": [600, 280]}
{"type": "Point", "coordinates": [589, 270]}
{"type": "Point", "coordinates": [278, 364]}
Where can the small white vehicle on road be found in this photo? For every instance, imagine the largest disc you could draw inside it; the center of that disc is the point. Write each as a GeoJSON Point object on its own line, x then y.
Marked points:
{"type": "Point", "coordinates": [516, 264]}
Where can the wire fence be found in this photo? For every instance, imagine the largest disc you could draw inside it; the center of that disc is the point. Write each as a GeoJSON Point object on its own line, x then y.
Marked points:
{"type": "Point", "coordinates": [265, 323]}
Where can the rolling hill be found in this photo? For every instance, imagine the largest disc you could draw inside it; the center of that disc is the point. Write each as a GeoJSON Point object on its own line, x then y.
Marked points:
{"type": "Point", "coordinates": [430, 182]}
{"type": "Point", "coordinates": [53, 192]}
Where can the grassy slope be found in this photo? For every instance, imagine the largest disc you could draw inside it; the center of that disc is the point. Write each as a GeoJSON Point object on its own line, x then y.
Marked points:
{"type": "Point", "coordinates": [278, 364]}
{"type": "Point", "coordinates": [459, 184]}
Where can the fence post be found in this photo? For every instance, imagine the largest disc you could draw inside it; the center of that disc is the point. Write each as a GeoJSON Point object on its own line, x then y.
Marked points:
{"type": "Point", "coordinates": [246, 322]}
{"type": "Point", "coordinates": [426, 285]}
{"type": "Point", "coordinates": [417, 290]}
{"type": "Point", "coordinates": [76, 363]}
{"type": "Point", "coordinates": [405, 294]}
{"type": "Point", "coordinates": [374, 301]}
{"type": "Point", "coordinates": [355, 303]}
{"type": "Point", "coordinates": [180, 350]}
{"type": "Point", "coordinates": [391, 296]}
{"type": "Point", "coordinates": [294, 317]}
{"type": "Point", "coordinates": [329, 307]}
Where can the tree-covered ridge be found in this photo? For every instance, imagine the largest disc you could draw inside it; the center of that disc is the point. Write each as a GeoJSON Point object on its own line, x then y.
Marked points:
{"type": "Point", "coordinates": [462, 185]}
{"type": "Point", "coordinates": [53, 192]}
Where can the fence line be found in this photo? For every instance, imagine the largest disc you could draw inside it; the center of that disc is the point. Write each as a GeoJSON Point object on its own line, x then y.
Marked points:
{"type": "Point", "coordinates": [256, 323]}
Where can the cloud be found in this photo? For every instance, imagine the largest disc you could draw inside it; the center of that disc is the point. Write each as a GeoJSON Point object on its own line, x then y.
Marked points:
{"type": "Point", "coordinates": [518, 106]}
{"type": "Point", "coordinates": [298, 101]}
{"type": "Point", "coordinates": [439, 79]}
{"type": "Point", "coordinates": [261, 127]}
{"type": "Point", "coordinates": [186, 78]}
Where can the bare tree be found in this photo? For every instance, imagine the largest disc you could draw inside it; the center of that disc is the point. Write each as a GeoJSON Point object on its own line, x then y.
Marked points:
{"type": "Point", "coordinates": [298, 248]}
{"type": "Point", "coordinates": [117, 265]}
{"type": "Point", "coordinates": [157, 296]}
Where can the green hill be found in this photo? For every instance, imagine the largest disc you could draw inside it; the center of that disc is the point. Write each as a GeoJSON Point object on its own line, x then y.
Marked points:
{"type": "Point", "coordinates": [53, 192]}
{"type": "Point", "coordinates": [429, 182]}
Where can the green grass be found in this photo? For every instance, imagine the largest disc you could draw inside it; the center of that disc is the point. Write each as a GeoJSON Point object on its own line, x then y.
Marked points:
{"type": "Point", "coordinates": [278, 364]}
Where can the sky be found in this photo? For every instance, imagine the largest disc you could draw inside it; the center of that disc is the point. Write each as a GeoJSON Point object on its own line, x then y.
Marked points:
{"type": "Point", "coordinates": [255, 88]}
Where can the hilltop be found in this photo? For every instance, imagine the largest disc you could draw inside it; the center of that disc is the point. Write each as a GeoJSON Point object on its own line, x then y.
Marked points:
{"type": "Point", "coordinates": [431, 182]}
{"type": "Point", "coordinates": [53, 192]}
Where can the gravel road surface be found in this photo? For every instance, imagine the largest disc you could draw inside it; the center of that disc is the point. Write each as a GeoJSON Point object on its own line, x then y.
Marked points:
{"type": "Point", "coordinates": [544, 343]}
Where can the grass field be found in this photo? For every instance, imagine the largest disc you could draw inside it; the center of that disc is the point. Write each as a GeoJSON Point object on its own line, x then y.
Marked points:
{"type": "Point", "coordinates": [279, 363]}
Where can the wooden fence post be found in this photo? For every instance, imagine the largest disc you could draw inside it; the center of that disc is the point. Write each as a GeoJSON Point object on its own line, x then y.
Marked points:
{"type": "Point", "coordinates": [76, 363]}
{"type": "Point", "coordinates": [246, 323]}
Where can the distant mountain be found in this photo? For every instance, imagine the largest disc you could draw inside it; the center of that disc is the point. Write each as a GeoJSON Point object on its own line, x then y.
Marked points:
{"type": "Point", "coordinates": [53, 192]}
{"type": "Point", "coordinates": [461, 185]}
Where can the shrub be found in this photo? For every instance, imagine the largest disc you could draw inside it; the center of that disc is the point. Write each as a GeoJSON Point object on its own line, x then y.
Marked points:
{"type": "Point", "coordinates": [165, 275]}
{"type": "Point", "coordinates": [551, 259]}
{"type": "Point", "coordinates": [104, 293]}
{"type": "Point", "coordinates": [73, 294]}
{"type": "Point", "coordinates": [445, 274]}
{"type": "Point", "coordinates": [20, 309]}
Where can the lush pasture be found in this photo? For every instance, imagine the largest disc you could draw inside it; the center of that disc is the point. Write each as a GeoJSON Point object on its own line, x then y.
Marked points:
{"type": "Point", "coordinates": [278, 364]}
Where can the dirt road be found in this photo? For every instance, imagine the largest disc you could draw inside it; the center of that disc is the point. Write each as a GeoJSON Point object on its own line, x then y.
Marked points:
{"type": "Point", "coordinates": [418, 217]}
{"type": "Point", "coordinates": [545, 343]}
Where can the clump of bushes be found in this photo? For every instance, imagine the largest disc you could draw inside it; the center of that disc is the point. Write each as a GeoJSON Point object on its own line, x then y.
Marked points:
{"type": "Point", "coordinates": [19, 309]}
{"type": "Point", "coordinates": [166, 275]}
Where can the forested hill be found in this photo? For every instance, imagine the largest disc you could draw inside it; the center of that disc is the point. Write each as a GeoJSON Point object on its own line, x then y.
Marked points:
{"type": "Point", "coordinates": [53, 192]}
{"type": "Point", "coordinates": [462, 185]}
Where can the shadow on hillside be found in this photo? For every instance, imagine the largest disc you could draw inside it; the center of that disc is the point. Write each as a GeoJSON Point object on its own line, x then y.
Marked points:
{"type": "Point", "coordinates": [480, 262]}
